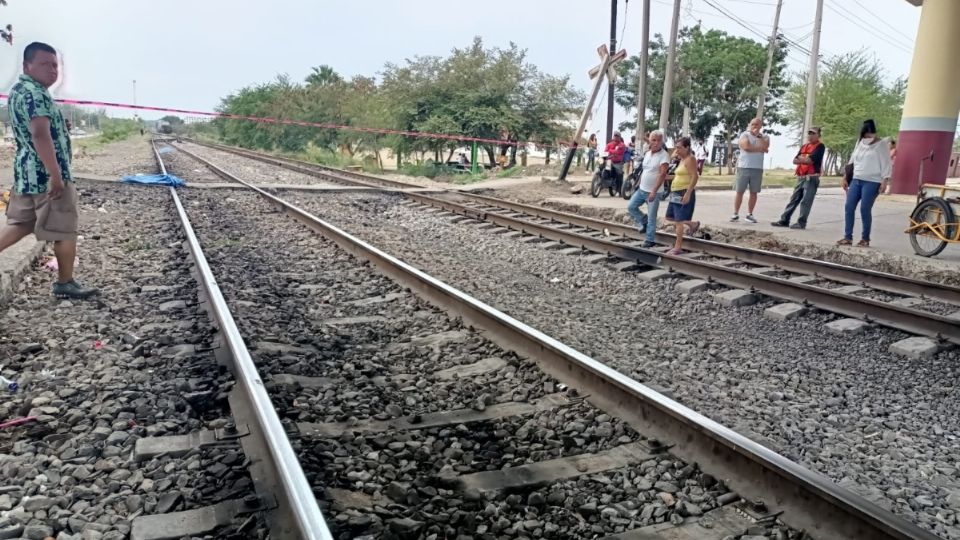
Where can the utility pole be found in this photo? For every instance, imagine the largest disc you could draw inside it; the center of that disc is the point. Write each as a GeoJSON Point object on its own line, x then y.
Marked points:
{"type": "Point", "coordinates": [613, 47]}
{"type": "Point", "coordinates": [671, 60]}
{"type": "Point", "coordinates": [644, 58]}
{"type": "Point", "coordinates": [812, 76]}
{"type": "Point", "coordinates": [134, 91]}
{"type": "Point", "coordinates": [771, 48]}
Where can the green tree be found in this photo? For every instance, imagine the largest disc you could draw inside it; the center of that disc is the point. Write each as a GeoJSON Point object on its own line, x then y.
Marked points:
{"type": "Point", "coordinates": [717, 75]}
{"type": "Point", "coordinates": [323, 76]}
{"type": "Point", "coordinates": [477, 92]}
{"type": "Point", "coordinates": [174, 121]}
{"type": "Point", "coordinates": [850, 89]}
{"type": "Point", "coordinates": [473, 92]}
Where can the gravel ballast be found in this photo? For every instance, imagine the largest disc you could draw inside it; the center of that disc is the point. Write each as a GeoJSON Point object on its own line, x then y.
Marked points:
{"type": "Point", "coordinates": [307, 308]}
{"type": "Point", "coordinates": [98, 375]}
{"type": "Point", "coordinates": [841, 405]}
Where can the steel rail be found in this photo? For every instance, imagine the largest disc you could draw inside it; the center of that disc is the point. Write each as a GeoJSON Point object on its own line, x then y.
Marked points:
{"type": "Point", "coordinates": [838, 272]}
{"type": "Point", "coordinates": [308, 168]}
{"type": "Point", "coordinates": [847, 274]}
{"type": "Point", "coordinates": [894, 316]}
{"type": "Point", "coordinates": [886, 314]}
{"type": "Point", "coordinates": [275, 468]}
{"type": "Point", "coordinates": [811, 501]}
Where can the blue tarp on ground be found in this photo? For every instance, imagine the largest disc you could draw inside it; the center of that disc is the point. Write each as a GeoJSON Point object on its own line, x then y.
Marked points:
{"type": "Point", "coordinates": [155, 180]}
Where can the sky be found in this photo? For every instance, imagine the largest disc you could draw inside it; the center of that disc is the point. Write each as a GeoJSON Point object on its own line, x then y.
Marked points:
{"type": "Point", "coordinates": [190, 54]}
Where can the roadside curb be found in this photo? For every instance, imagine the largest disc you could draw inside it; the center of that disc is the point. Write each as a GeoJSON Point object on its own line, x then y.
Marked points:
{"type": "Point", "coordinates": [12, 274]}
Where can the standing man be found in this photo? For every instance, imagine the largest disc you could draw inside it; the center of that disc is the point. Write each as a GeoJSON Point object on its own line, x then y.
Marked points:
{"type": "Point", "coordinates": [44, 198]}
{"type": "Point", "coordinates": [701, 155]}
{"type": "Point", "coordinates": [753, 145]}
{"type": "Point", "coordinates": [656, 162]}
{"type": "Point", "coordinates": [808, 161]}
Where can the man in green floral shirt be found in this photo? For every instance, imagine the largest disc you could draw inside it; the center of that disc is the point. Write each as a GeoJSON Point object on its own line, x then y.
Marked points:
{"type": "Point", "coordinates": [44, 198]}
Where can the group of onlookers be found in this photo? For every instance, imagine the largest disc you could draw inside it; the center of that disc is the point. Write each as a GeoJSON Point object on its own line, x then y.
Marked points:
{"type": "Point", "coordinates": [866, 177]}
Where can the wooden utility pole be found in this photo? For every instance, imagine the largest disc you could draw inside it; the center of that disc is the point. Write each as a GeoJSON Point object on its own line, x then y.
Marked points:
{"type": "Point", "coordinates": [613, 47]}
{"type": "Point", "coordinates": [644, 58]}
{"type": "Point", "coordinates": [812, 76]}
{"type": "Point", "coordinates": [771, 49]}
{"type": "Point", "coordinates": [671, 60]}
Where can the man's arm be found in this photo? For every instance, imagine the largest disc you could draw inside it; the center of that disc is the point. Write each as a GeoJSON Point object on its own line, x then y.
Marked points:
{"type": "Point", "coordinates": [816, 158]}
{"type": "Point", "coordinates": [661, 176]}
{"type": "Point", "coordinates": [43, 142]}
{"type": "Point", "coordinates": [747, 147]}
{"type": "Point", "coordinates": [800, 160]}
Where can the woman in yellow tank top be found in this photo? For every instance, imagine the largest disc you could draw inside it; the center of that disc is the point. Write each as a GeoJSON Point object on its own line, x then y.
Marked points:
{"type": "Point", "coordinates": [683, 198]}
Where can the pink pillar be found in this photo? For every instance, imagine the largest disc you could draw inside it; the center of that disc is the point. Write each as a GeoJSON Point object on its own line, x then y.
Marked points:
{"type": "Point", "coordinates": [933, 99]}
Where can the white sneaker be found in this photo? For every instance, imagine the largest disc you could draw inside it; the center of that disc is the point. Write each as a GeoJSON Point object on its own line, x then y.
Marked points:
{"type": "Point", "coordinates": [750, 218]}
{"type": "Point", "coordinates": [735, 217]}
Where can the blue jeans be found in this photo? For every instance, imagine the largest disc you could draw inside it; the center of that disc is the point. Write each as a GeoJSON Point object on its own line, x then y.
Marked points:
{"type": "Point", "coordinates": [864, 193]}
{"type": "Point", "coordinates": [638, 199]}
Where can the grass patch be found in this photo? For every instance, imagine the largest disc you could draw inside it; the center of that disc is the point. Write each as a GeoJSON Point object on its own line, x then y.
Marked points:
{"type": "Point", "coordinates": [324, 156]}
{"type": "Point", "coordinates": [464, 179]}
{"type": "Point", "coordinates": [771, 178]}
{"type": "Point", "coordinates": [512, 172]}
{"type": "Point", "coordinates": [117, 129]}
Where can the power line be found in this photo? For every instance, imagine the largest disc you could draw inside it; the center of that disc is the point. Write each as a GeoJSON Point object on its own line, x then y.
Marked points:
{"type": "Point", "coordinates": [890, 26]}
{"type": "Point", "coordinates": [733, 17]}
{"type": "Point", "coordinates": [852, 18]}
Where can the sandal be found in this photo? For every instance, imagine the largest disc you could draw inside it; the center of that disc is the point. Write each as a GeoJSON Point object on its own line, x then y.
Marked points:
{"type": "Point", "coordinates": [863, 243]}
{"type": "Point", "coordinates": [844, 242]}
{"type": "Point", "coordinates": [675, 251]}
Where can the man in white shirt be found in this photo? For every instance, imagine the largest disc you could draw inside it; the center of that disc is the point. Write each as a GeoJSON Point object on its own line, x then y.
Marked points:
{"type": "Point", "coordinates": [655, 164]}
{"type": "Point", "coordinates": [753, 147]}
{"type": "Point", "coordinates": [700, 152]}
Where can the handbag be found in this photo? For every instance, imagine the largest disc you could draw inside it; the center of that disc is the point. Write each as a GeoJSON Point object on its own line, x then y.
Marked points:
{"type": "Point", "coordinates": [848, 173]}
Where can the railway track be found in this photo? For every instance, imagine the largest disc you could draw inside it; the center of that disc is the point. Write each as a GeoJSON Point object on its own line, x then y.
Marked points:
{"type": "Point", "coordinates": [919, 307]}
{"type": "Point", "coordinates": [643, 435]}
{"type": "Point", "coordinates": [282, 491]}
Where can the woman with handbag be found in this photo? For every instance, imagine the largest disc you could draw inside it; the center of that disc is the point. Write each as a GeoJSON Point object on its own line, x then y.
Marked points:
{"type": "Point", "coordinates": [869, 173]}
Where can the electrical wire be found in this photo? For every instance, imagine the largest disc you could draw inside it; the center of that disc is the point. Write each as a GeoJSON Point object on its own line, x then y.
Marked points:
{"type": "Point", "coordinates": [851, 17]}
{"type": "Point", "coordinates": [888, 25]}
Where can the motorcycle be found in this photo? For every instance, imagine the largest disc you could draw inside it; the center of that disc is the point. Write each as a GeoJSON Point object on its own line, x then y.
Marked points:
{"type": "Point", "coordinates": [633, 181]}
{"type": "Point", "coordinates": [606, 177]}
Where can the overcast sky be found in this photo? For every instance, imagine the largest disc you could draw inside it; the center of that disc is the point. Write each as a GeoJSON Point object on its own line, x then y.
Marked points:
{"type": "Point", "coordinates": [189, 54]}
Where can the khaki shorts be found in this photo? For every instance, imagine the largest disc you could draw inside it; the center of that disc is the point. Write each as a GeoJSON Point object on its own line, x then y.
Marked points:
{"type": "Point", "coordinates": [51, 220]}
{"type": "Point", "coordinates": [749, 178]}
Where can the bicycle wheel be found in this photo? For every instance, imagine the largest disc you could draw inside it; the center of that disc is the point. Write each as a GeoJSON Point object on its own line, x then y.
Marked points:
{"type": "Point", "coordinates": [596, 185]}
{"type": "Point", "coordinates": [938, 215]}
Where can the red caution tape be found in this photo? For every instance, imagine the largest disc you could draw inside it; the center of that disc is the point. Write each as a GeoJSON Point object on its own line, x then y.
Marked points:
{"type": "Point", "coordinates": [267, 120]}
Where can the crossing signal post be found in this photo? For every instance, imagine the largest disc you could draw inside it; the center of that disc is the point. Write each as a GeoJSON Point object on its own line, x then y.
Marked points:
{"type": "Point", "coordinates": [606, 68]}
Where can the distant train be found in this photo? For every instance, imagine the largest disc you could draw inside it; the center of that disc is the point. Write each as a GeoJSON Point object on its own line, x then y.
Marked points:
{"type": "Point", "coordinates": [164, 127]}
